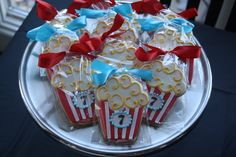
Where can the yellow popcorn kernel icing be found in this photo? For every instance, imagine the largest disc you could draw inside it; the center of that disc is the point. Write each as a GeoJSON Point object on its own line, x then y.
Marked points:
{"type": "Point", "coordinates": [118, 49]}
{"type": "Point", "coordinates": [167, 77]}
{"type": "Point", "coordinates": [123, 91]}
{"type": "Point", "coordinates": [73, 75]}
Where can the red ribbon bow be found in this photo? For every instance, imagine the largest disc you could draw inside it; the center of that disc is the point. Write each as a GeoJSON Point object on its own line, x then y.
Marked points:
{"type": "Point", "coordinates": [189, 13]}
{"type": "Point", "coordinates": [78, 4]}
{"type": "Point", "coordinates": [47, 60]}
{"type": "Point", "coordinates": [185, 53]}
{"type": "Point", "coordinates": [88, 44]}
{"type": "Point", "coordinates": [84, 46]}
{"type": "Point", "coordinates": [45, 11]}
{"type": "Point", "coordinates": [147, 6]}
{"type": "Point", "coordinates": [153, 7]}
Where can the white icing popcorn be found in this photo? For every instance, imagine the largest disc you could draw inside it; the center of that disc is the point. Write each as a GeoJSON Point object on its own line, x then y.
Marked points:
{"type": "Point", "coordinates": [123, 90]}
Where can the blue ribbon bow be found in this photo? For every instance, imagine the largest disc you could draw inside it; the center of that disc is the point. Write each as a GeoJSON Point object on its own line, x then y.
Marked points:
{"type": "Point", "coordinates": [91, 13]}
{"type": "Point", "coordinates": [43, 33]}
{"type": "Point", "coordinates": [124, 9]}
{"type": "Point", "coordinates": [77, 23]}
{"type": "Point", "coordinates": [151, 24]}
{"type": "Point", "coordinates": [103, 71]}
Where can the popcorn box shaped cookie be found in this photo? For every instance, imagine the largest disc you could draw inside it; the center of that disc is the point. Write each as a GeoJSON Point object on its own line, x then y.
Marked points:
{"type": "Point", "coordinates": [73, 87]}
{"type": "Point", "coordinates": [167, 85]}
{"type": "Point", "coordinates": [121, 104]}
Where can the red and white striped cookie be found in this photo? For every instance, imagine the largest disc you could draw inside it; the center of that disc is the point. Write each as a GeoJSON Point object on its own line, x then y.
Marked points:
{"type": "Point", "coordinates": [74, 89]}
{"type": "Point", "coordinates": [167, 85]}
{"type": "Point", "coordinates": [121, 102]}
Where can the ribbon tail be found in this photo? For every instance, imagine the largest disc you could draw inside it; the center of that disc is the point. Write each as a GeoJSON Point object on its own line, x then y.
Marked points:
{"type": "Point", "coordinates": [77, 4]}
{"type": "Point", "coordinates": [101, 72]}
{"type": "Point", "coordinates": [149, 55]}
{"type": "Point", "coordinates": [118, 22]}
{"type": "Point", "coordinates": [45, 11]}
{"type": "Point", "coordinates": [188, 14]}
{"type": "Point", "coordinates": [150, 24]}
{"type": "Point", "coordinates": [187, 52]}
{"type": "Point", "coordinates": [91, 13]}
{"type": "Point", "coordinates": [77, 23]}
{"type": "Point", "coordinates": [123, 9]}
{"type": "Point", "coordinates": [144, 74]}
{"type": "Point", "coordinates": [190, 70]}
{"type": "Point", "coordinates": [42, 33]}
{"type": "Point", "coordinates": [183, 25]}
{"type": "Point", "coordinates": [48, 60]}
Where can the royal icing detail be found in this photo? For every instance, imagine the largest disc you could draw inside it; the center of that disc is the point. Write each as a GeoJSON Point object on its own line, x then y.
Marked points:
{"type": "Point", "coordinates": [169, 38]}
{"type": "Point", "coordinates": [166, 77]}
{"type": "Point", "coordinates": [123, 91]}
{"type": "Point", "coordinates": [61, 41]}
{"type": "Point", "coordinates": [156, 102]}
{"type": "Point", "coordinates": [121, 119]}
{"type": "Point", "coordinates": [73, 75]}
{"type": "Point", "coordinates": [118, 49]}
{"type": "Point", "coordinates": [83, 99]}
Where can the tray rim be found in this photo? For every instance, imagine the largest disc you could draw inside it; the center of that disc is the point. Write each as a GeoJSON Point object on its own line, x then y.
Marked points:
{"type": "Point", "coordinates": [131, 152]}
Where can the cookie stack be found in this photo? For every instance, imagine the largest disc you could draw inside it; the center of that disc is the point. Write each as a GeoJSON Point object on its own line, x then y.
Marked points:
{"type": "Point", "coordinates": [119, 64]}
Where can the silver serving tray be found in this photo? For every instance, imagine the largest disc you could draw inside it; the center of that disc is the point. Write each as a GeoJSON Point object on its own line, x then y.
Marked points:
{"type": "Point", "coordinates": [40, 102]}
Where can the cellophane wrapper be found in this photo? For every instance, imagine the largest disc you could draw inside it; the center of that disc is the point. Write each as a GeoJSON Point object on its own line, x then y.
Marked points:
{"type": "Point", "coordinates": [121, 122]}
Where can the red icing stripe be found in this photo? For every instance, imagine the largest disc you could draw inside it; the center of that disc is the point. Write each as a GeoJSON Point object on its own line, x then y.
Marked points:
{"type": "Point", "coordinates": [120, 133]}
{"type": "Point", "coordinates": [157, 91]}
{"type": "Point", "coordinates": [102, 121]}
{"type": "Point", "coordinates": [112, 126]}
{"type": "Point", "coordinates": [148, 112]}
{"type": "Point", "coordinates": [152, 121]}
{"type": "Point", "coordinates": [93, 111]}
{"type": "Point", "coordinates": [65, 105]}
{"type": "Point", "coordinates": [172, 103]}
{"type": "Point", "coordinates": [131, 112]}
{"type": "Point", "coordinates": [78, 113]}
{"type": "Point", "coordinates": [148, 88]}
{"type": "Point", "coordinates": [138, 123]}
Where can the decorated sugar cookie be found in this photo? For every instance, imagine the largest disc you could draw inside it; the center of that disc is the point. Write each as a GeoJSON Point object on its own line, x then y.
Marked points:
{"type": "Point", "coordinates": [167, 84]}
{"type": "Point", "coordinates": [121, 51]}
{"type": "Point", "coordinates": [74, 88]}
{"type": "Point", "coordinates": [121, 97]}
{"type": "Point", "coordinates": [61, 41]}
{"type": "Point", "coordinates": [121, 100]}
